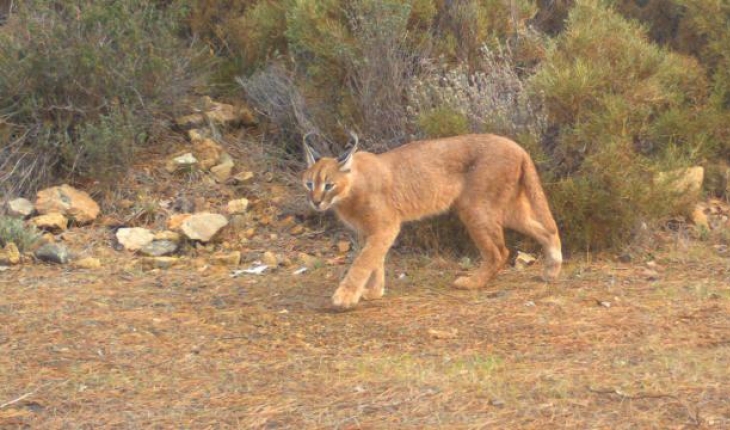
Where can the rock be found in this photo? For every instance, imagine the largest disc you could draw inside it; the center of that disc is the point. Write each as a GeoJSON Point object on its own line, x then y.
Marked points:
{"type": "Point", "coordinates": [685, 181]}
{"type": "Point", "coordinates": [270, 259]}
{"type": "Point", "coordinates": [87, 263]}
{"type": "Point", "coordinates": [176, 221]}
{"type": "Point", "coordinates": [222, 171]}
{"type": "Point", "coordinates": [9, 255]}
{"type": "Point", "coordinates": [135, 238]}
{"type": "Point", "coordinates": [523, 260]}
{"type": "Point", "coordinates": [168, 235]}
{"type": "Point", "coordinates": [228, 259]}
{"type": "Point", "coordinates": [297, 230]}
{"type": "Point", "coordinates": [307, 260]}
{"type": "Point", "coordinates": [203, 226]}
{"type": "Point", "coordinates": [20, 207]}
{"type": "Point", "coordinates": [238, 206]}
{"type": "Point", "coordinates": [158, 262]}
{"type": "Point", "coordinates": [51, 222]}
{"type": "Point", "coordinates": [238, 222]}
{"type": "Point", "coordinates": [195, 120]}
{"type": "Point", "coordinates": [197, 134]}
{"type": "Point", "coordinates": [243, 177]}
{"type": "Point", "coordinates": [53, 253]}
{"type": "Point", "coordinates": [181, 162]}
{"type": "Point", "coordinates": [343, 246]}
{"type": "Point", "coordinates": [699, 217]}
{"type": "Point", "coordinates": [158, 248]}
{"type": "Point", "coordinates": [229, 115]}
{"type": "Point", "coordinates": [208, 152]}
{"type": "Point", "coordinates": [68, 201]}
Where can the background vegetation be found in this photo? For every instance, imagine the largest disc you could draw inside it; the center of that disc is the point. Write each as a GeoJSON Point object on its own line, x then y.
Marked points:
{"type": "Point", "coordinates": [604, 94]}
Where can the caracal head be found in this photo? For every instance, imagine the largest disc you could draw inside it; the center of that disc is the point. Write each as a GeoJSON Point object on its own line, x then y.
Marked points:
{"type": "Point", "coordinates": [327, 180]}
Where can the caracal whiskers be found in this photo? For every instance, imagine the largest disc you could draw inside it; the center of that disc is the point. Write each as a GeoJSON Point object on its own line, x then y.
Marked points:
{"type": "Point", "coordinates": [490, 181]}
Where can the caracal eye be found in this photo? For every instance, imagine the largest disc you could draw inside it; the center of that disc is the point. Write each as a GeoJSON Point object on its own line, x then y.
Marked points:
{"type": "Point", "coordinates": [329, 186]}
{"type": "Point", "coordinates": [310, 185]}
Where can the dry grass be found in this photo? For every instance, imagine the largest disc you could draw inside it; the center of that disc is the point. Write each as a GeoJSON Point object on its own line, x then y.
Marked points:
{"type": "Point", "coordinates": [185, 348]}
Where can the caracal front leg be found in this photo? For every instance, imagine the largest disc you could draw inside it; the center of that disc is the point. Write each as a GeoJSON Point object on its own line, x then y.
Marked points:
{"type": "Point", "coordinates": [375, 287]}
{"type": "Point", "coordinates": [369, 263]}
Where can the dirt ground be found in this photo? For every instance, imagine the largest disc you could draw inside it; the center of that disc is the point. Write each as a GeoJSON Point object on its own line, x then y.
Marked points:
{"type": "Point", "coordinates": [612, 345]}
{"type": "Point", "coordinates": [639, 344]}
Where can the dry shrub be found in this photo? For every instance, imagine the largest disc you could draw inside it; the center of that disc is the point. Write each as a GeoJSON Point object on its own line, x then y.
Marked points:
{"type": "Point", "coordinates": [491, 99]}
{"type": "Point", "coordinates": [623, 108]}
{"type": "Point", "coordinates": [84, 84]}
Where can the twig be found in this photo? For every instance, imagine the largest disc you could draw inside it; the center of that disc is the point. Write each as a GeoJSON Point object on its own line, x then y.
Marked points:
{"type": "Point", "coordinates": [26, 395]}
{"type": "Point", "coordinates": [638, 396]}
{"type": "Point", "coordinates": [11, 402]}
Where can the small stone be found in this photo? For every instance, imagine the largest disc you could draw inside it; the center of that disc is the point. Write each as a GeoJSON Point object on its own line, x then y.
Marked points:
{"type": "Point", "coordinates": [625, 257]}
{"type": "Point", "coordinates": [158, 262]}
{"type": "Point", "coordinates": [176, 221]}
{"type": "Point", "coordinates": [229, 259]}
{"type": "Point", "coordinates": [135, 238]}
{"type": "Point", "coordinates": [203, 226]}
{"type": "Point", "coordinates": [343, 246]}
{"type": "Point", "coordinates": [158, 248]}
{"type": "Point", "coordinates": [270, 259]}
{"type": "Point", "coordinates": [51, 222]}
{"type": "Point", "coordinates": [9, 255]}
{"type": "Point", "coordinates": [699, 218]}
{"type": "Point", "coordinates": [172, 236]}
{"type": "Point", "coordinates": [182, 162]}
{"type": "Point", "coordinates": [222, 171]}
{"type": "Point", "coordinates": [87, 263]}
{"type": "Point", "coordinates": [68, 201]}
{"type": "Point", "coordinates": [523, 260]}
{"type": "Point", "coordinates": [53, 253]}
{"type": "Point", "coordinates": [250, 233]}
{"type": "Point", "coordinates": [20, 207]}
{"type": "Point", "coordinates": [238, 206]}
{"type": "Point", "coordinates": [297, 230]}
{"type": "Point", "coordinates": [307, 260]}
{"type": "Point", "coordinates": [190, 121]}
{"type": "Point", "coordinates": [208, 152]}
{"type": "Point", "coordinates": [243, 177]}
{"type": "Point", "coordinates": [196, 134]}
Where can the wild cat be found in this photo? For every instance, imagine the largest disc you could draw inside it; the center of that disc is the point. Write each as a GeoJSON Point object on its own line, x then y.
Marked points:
{"type": "Point", "coordinates": [490, 181]}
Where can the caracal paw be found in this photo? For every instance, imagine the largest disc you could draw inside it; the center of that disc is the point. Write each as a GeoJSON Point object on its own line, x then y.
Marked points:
{"type": "Point", "coordinates": [373, 293]}
{"type": "Point", "coordinates": [345, 298]}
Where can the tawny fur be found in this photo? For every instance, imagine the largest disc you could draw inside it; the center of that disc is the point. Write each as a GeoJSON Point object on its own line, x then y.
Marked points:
{"type": "Point", "coordinates": [490, 181]}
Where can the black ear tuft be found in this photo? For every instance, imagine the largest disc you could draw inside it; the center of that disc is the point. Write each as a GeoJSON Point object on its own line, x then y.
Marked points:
{"type": "Point", "coordinates": [310, 153]}
{"type": "Point", "coordinates": [345, 159]}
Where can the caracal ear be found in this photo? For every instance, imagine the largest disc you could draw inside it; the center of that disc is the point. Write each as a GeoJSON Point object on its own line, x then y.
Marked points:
{"type": "Point", "coordinates": [345, 159]}
{"type": "Point", "coordinates": [310, 153]}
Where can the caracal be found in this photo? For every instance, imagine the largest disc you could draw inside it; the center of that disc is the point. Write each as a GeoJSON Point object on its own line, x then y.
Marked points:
{"type": "Point", "coordinates": [490, 181]}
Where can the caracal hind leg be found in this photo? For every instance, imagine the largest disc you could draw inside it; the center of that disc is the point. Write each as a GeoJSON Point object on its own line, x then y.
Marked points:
{"type": "Point", "coordinates": [371, 258]}
{"type": "Point", "coordinates": [375, 287]}
{"type": "Point", "coordinates": [544, 230]}
{"type": "Point", "coordinates": [488, 235]}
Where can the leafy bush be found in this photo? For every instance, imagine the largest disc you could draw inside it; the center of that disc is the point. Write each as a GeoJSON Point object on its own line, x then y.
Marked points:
{"type": "Point", "coordinates": [14, 230]}
{"type": "Point", "coordinates": [84, 84]}
{"type": "Point", "coordinates": [623, 108]}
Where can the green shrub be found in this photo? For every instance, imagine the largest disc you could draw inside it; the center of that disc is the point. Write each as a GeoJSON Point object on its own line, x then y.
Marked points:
{"type": "Point", "coordinates": [14, 230]}
{"type": "Point", "coordinates": [443, 122]}
{"type": "Point", "coordinates": [84, 84]}
{"type": "Point", "coordinates": [623, 109]}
